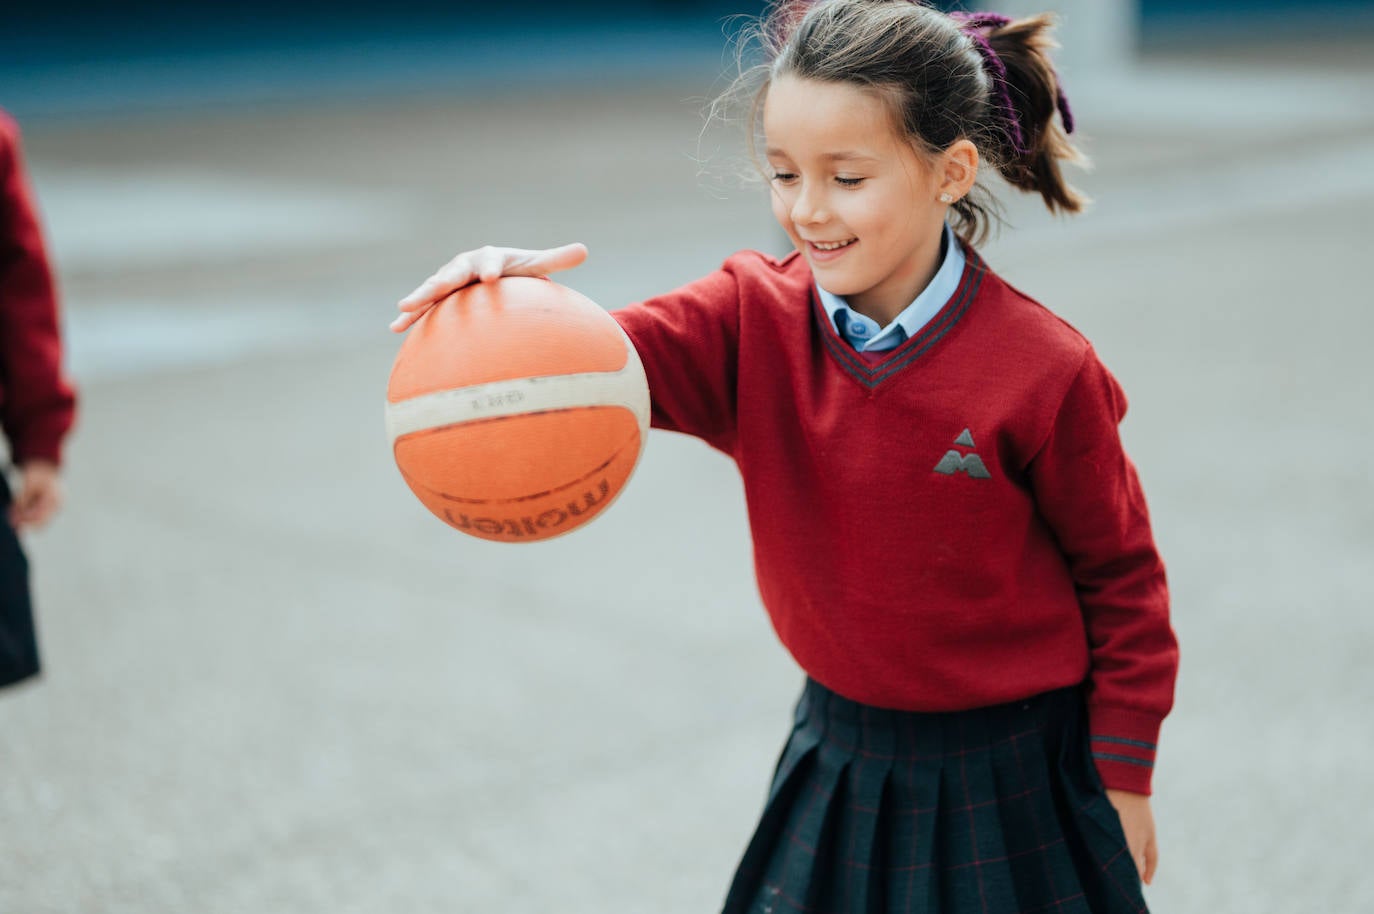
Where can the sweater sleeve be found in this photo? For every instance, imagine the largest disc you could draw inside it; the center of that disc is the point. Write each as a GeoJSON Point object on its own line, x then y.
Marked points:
{"type": "Point", "coordinates": [688, 341]}
{"type": "Point", "coordinates": [1087, 490]}
{"type": "Point", "coordinates": [38, 403]}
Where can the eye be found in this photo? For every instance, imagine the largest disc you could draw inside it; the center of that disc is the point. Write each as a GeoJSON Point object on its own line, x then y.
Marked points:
{"type": "Point", "coordinates": [783, 177]}
{"type": "Point", "coordinates": [850, 182]}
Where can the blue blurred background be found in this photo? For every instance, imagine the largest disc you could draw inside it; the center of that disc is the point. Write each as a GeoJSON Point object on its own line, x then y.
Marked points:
{"type": "Point", "coordinates": [79, 58]}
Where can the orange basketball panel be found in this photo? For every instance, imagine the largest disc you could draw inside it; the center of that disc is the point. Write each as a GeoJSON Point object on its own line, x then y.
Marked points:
{"type": "Point", "coordinates": [526, 477]}
{"type": "Point", "coordinates": [513, 457]}
{"type": "Point", "coordinates": [516, 327]}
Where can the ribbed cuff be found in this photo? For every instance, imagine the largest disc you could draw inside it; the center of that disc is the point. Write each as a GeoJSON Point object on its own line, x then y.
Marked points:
{"type": "Point", "coordinates": [49, 449]}
{"type": "Point", "coordinates": [1123, 746]}
{"type": "Point", "coordinates": [41, 440]}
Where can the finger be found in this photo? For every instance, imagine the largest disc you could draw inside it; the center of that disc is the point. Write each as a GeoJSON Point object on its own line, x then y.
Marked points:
{"type": "Point", "coordinates": [1151, 862]}
{"type": "Point", "coordinates": [1138, 855]}
{"type": "Point", "coordinates": [489, 264]}
{"type": "Point", "coordinates": [450, 277]}
{"type": "Point", "coordinates": [403, 321]}
{"type": "Point", "coordinates": [1135, 846]}
{"type": "Point", "coordinates": [435, 288]}
{"type": "Point", "coordinates": [555, 259]}
{"type": "Point", "coordinates": [422, 297]}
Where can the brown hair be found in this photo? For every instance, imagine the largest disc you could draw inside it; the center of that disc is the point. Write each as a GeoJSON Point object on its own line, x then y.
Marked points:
{"type": "Point", "coordinates": [936, 83]}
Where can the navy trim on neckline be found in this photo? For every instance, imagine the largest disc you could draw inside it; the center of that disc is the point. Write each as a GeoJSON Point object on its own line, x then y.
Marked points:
{"type": "Point", "coordinates": [872, 375]}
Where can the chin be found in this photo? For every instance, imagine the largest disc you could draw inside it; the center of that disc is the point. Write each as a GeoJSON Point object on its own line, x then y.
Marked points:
{"type": "Point", "coordinates": [840, 285]}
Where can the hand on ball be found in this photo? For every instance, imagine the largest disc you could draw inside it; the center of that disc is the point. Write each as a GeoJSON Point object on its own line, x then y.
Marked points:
{"type": "Point", "coordinates": [483, 265]}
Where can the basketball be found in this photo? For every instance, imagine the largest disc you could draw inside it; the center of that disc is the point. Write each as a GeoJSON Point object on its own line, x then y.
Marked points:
{"type": "Point", "coordinates": [517, 409]}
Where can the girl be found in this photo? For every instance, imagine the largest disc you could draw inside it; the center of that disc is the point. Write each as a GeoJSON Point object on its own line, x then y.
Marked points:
{"type": "Point", "coordinates": [948, 537]}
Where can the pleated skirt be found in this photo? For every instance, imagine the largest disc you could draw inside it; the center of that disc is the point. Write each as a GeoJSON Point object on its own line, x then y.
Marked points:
{"type": "Point", "coordinates": [996, 810]}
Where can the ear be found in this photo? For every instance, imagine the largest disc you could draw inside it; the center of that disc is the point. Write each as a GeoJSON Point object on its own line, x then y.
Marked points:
{"type": "Point", "coordinates": [957, 169]}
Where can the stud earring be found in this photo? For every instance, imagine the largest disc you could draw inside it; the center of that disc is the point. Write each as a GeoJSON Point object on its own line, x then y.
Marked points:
{"type": "Point", "coordinates": [946, 198]}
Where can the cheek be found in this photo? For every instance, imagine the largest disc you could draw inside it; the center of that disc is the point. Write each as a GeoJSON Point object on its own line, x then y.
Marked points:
{"type": "Point", "coordinates": [870, 213]}
{"type": "Point", "coordinates": [782, 211]}
{"type": "Point", "coordinates": [885, 220]}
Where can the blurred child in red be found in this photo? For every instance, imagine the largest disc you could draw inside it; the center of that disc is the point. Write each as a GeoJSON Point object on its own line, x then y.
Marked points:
{"type": "Point", "coordinates": [37, 403]}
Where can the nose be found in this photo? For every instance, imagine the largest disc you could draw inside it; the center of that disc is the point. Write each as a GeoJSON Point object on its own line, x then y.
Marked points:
{"type": "Point", "coordinates": [809, 207]}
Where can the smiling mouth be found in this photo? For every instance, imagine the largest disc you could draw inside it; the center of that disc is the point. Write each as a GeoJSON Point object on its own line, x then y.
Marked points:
{"type": "Point", "coordinates": [831, 245]}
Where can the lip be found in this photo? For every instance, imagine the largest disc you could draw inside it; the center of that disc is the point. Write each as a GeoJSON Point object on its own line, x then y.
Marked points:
{"type": "Point", "coordinates": [819, 256]}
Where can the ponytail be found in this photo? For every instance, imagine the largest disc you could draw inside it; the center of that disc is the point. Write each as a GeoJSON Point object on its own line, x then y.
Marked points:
{"type": "Point", "coordinates": [1034, 142]}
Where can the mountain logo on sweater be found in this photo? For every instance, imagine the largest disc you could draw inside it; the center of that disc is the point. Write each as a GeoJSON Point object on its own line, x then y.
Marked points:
{"type": "Point", "coordinates": [957, 462]}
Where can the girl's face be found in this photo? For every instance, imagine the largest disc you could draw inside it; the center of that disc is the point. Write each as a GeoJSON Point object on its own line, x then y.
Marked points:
{"type": "Point", "coordinates": [853, 195]}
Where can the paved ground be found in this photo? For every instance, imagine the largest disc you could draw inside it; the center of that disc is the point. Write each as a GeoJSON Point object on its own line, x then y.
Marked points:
{"type": "Point", "coordinates": [275, 683]}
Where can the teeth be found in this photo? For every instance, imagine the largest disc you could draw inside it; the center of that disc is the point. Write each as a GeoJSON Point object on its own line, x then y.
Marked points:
{"type": "Point", "coordinates": [832, 246]}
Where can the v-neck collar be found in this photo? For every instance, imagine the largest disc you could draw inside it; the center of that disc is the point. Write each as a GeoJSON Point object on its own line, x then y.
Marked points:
{"type": "Point", "coordinates": [873, 373]}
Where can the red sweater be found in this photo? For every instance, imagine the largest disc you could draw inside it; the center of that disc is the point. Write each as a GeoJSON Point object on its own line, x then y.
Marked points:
{"type": "Point", "coordinates": [36, 402]}
{"type": "Point", "coordinates": [949, 526]}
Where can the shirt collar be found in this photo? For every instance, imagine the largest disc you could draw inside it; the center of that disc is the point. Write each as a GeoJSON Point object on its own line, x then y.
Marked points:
{"type": "Point", "coordinates": [908, 323]}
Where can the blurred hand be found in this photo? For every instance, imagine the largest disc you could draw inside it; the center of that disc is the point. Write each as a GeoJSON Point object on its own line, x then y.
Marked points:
{"type": "Point", "coordinates": [39, 496]}
{"type": "Point", "coordinates": [483, 265]}
{"type": "Point", "coordinates": [1138, 822]}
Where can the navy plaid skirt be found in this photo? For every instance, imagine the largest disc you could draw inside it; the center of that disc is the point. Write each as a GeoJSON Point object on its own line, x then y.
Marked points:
{"type": "Point", "coordinates": [995, 810]}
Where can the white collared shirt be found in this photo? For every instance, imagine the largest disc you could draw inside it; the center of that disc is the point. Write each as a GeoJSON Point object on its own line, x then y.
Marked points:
{"type": "Point", "coordinates": [864, 334]}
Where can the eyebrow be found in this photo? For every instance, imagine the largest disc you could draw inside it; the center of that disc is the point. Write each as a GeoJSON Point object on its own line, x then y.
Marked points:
{"type": "Point", "coordinates": [847, 155]}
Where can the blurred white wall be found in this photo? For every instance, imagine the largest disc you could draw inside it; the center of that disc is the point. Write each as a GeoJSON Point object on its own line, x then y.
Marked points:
{"type": "Point", "coordinates": [1098, 36]}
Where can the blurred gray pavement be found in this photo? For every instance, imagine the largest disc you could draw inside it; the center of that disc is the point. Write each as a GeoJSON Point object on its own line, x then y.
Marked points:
{"type": "Point", "coordinates": [276, 684]}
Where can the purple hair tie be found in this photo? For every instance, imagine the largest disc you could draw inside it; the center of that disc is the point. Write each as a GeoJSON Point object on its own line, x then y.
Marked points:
{"type": "Point", "coordinates": [977, 26]}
